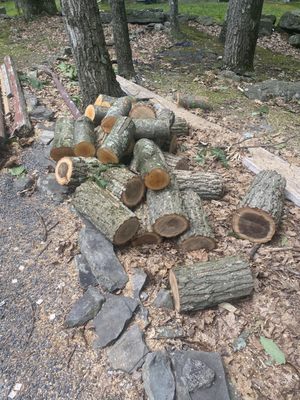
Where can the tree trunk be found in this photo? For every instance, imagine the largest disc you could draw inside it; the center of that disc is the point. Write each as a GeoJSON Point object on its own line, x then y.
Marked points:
{"type": "Point", "coordinates": [62, 144]}
{"type": "Point", "coordinates": [120, 108]}
{"type": "Point", "coordinates": [175, 29]}
{"type": "Point", "coordinates": [84, 138]}
{"type": "Point", "coordinates": [261, 209]}
{"type": "Point", "coordinates": [121, 39]}
{"type": "Point", "coordinates": [86, 35]}
{"type": "Point", "coordinates": [145, 234]}
{"type": "Point", "coordinates": [203, 285]}
{"type": "Point", "coordinates": [33, 8]}
{"type": "Point", "coordinates": [242, 33]}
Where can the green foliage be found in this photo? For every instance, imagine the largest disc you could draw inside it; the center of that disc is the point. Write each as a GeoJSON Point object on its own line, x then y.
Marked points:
{"type": "Point", "coordinates": [100, 182]}
{"type": "Point", "coordinates": [273, 350]}
{"type": "Point", "coordinates": [68, 70]}
{"type": "Point", "coordinates": [18, 170]}
{"type": "Point", "coordinates": [31, 81]}
{"type": "Point", "coordinates": [217, 153]}
{"type": "Point", "coordinates": [220, 155]}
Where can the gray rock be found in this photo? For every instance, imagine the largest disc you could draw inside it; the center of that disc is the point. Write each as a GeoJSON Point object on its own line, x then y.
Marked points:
{"type": "Point", "coordinates": [158, 379]}
{"type": "Point", "coordinates": [294, 40]}
{"type": "Point", "coordinates": [230, 75]}
{"type": "Point", "coordinates": [100, 255]}
{"type": "Point", "coordinates": [138, 281]}
{"type": "Point", "coordinates": [86, 277]}
{"type": "Point", "coordinates": [273, 88]}
{"type": "Point", "coordinates": [112, 319]}
{"type": "Point", "coordinates": [266, 27]}
{"type": "Point", "coordinates": [85, 308]}
{"type": "Point", "coordinates": [143, 315]}
{"type": "Point", "coordinates": [290, 21]}
{"type": "Point", "coordinates": [269, 17]}
{"type": "Point", "coordinates": [67, 51]}
{"type": "Point", "coordinates": [3, 10]}
{"type": "Point", "coordinates": [197, 375]}
{"type": "Point", "coordinates": [169, 332]}
{"type": "Point", "coordinates": [167, 24]}
{"type": "Point", "coordinates": [31, 101]}
{"type": "Point", "coordinates": [128, 353]}
{"type": "Point", "coordinates": [206, 20]}
{"type": "Point", "coordinates": [48, 186]}
{"type": "Point", "coordinates": [163, 299]}
{"type": "Point", "coordinates": [159, 27]}
{"type": "Point", "coordinates": [46, 136]}
{"type": "Point", "coordinates": [41, 113]}
{"type": "Point", "coordinates": [23, 182]}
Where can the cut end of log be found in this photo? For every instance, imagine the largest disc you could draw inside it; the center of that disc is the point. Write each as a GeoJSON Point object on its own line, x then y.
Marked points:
{"type": "Point", "coordinates": [57, 153]}
{"type": "Point", "coordinates": [157, 179]}
{"type": "Point", "coordinates": [147, 238]}
{"type": "Point", "coordinates": [198, 243]}
{"type": "Point", "coordinates": [84, 149]}
{"type": "Point", "coordinates": [253, 224]}
{"type": "Point", "coordinates": [107, 157]}
{"type": "Point", "coordinates": [63, 171]}
{"type": "Point", "coordinates": [174, 289]}
{"type": "Point", "coordinates": [142, 111]}
{"type": "Point", "coordinates": [90, 112]}
{"type": "Point", "coordinates": [108, 123]}
{"type": "Point", "coordinates": [171, 225]}
{"type": "Point", "coordinates": [126, 231]}
{"type": "Point", "coordinates": [134, 192]}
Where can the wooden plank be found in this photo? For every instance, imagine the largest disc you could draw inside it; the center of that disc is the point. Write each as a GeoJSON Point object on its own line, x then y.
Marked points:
{"type": "Point", "coordinates": [5, 101]}
{"type": "Point", "coordinates": [2, 125]}
{"type": "Point", "coordinates": [261, 159]}
{"type": "Point", "coordinates": [6, 84]}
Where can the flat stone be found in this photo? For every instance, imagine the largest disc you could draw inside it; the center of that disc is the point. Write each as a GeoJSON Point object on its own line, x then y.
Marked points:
{"type": "Point", "coordinates": [266, 27]}
{"type": "Point", "coordinates": [163, 299]}
{"type": "Point", "coordinates": [46, 136]}
{"type": "Point", "coordinates": [290, 21]}
{"type": "Point", "coordinates": [158, 379]}
{"type": "Point", "coordinates": [294, 40]}
{"type": "Point", "coordinates": [269, 17]}
{"type": "Point", "coordinates": [273, 88]}
{"type": "Point", "coordinates": [100, 255]}
{"type": "Point", "coordinates": [48, 186]}
{"type": "Point", "coordinates": [85, 308]}
{"type": "Point", "coordinates": [143, 315]}
{"type": "Point", "coordinates": [23, 182]}
{"type": "Point", "coordinates": [41, 113]}
{"type": "Point", "coordinates": [206, 20]}
{"type": "Point", "coordinates": [128, 353]}
{"type": "Point", "coordinates": [31, 101]}
{"type": "Point", "coordinates": [86, 277]}
{"type": "Point", "coordinates": [169, 332]}
{"type": "Point", "coordinates": [112, 318]}
{"type": "Point", "coordinates": [138, 281]}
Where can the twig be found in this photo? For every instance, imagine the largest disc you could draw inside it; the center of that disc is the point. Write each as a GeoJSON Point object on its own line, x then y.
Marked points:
{"type": "Point", "coordinates": [44, 248]}
{"type": "Point", "coordinates": [71, 356]}
{"type": "Point", "coordinates": [33, 308]}
{"type": "Point", "coordinates": [45, 235]}
{"type": "Point", "coordinates": [254, 250]}
{"type": "Point", "coordinates": [296, 249]}
{"type": "Point", "coordinates": [265, 146]}
{"type": "Point", "coordinates": [53, 226]}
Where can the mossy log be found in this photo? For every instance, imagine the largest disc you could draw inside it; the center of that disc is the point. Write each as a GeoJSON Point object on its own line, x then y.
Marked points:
{"type": "Point", "coordinates": [145, 233]}
{"type": "Point", "coordinates": [119, 143]}
{"type": "Point", "coordinates": [200, 234]}
{"type": "Point", "coordinates": [150, 163]}
{"type": "Point", "coordinates": [260, 211]}
{"type": "Point", "coordinates": [156, 130]}
{"type": "Point", "coordinates": [163, 113]}
{"type": "Point", "coordinates": [84, 138]}
{"type": "Point", "coordinates": [179, 127]}
{"type": "Point", "coordinates": [190, 102]}
{"type": "Point", "coordinates": [117, 223]}
{"type": "Point", "coordinates": [95, 113]}
{"type": "Point", "coordinates": [174, 161]}
{"type": "Point", "coordinates": [204, 285]}
{"type": "Point", "coordinates": [105, 101]}
{"type": "Point", "coordinates": [120, 108]}
{"type": "Point", "coordinates": [142, 110]}
{"type": "Point", "coordinates": [63, 142]}
{"type": "Point", "coordinates": [166, 211]}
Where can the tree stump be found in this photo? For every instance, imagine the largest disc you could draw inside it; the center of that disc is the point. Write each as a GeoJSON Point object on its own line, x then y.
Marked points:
{"type": "Point", "coordinates": [179, 127]}
{"type": "Point", "coordinates": [189, 102]}
{"type": "Point", "coordinates": [62, 144]}
{"type": "Point", "coordinates": [105, 101]}
{"type": "Point", "coordinates": [142, 111]}
{"type": "Point", "coordinates": [120, 108]}
{"type": "Point", "coordinates": [95, 113]}
{"type": "Point", "coordinates": [145, 233]}
{"type": "Point", "coordinates": [84, 138]}
{"type": "Point", "coordinates": [261, 209]}
{"type": "Point", "coordinates": [204, 285]}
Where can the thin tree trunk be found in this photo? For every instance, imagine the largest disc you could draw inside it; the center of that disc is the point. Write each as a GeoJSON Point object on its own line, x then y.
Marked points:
{"type": "Point", "coordinates": [32, 8]}
{"type": "Point", "coordinates": [86, 35]}
{"type": "Point", "coordinates": [175, 29]}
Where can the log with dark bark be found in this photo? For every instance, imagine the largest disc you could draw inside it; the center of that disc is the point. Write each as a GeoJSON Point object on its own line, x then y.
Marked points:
{"type": "Point", "coordinates": [200, 234]}
{"type": "Point", "coordinates": [176, 162]}
{"type": "Point", "coordinates": [22, 125]}
{"type": "Point", "coordinates": [204, 285]}
{"type": "Point", "coordinates": [120, 108]}
{"type": "Point", "coordinates": [189, 102]}
{"type": "Point", "coordinates": [84, 138]}
{"type": "Point", "coordinates": [62, 144]}
{"type": "Point", "coordinates": [156, 130]}
{"type": "Point", "coordinates": [261, 209]}
{"type": "Point", "coordinates": [180, 127]}
{"type": "Point", "coordinates": [105, 101]}
{"type": "Point", "coordinates": [150, 163]}
{"type": "Point", "coordinates": [145, 234]}
{"type": "Point", "coordinates": [106, 212]}
{"type": "Point", "coordinates": [95, 113]}
{"type": "Point", "coordinates": [119, 143]}
{"type": "Point", "coordinates": [142, 111]}
{"type": "Point", "coordinates": [166, 211]}
{"type": "Point", "coordinates": [163, 113]}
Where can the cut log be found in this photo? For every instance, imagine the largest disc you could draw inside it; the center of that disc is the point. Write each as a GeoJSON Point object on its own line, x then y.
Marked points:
{"type": "Point", "coordinates": [62, 144]}
{"type": "Point", "coordinates": [6, 84]}
{"type": "Point", "coordinates": [204, 285]}
{"type": "Point", "coordinates": [73, 171]}
{"type": "Point", "coordinates": [180, 127]}
{"type": "Point", "coordinates": [120, 108]}
{"type": "Point", "coordinates": [156, 130]}
{"type": "Point", "coordinates": [150, 163]}
{"type": "Point", "coordinates": [166, 212]}
{"type": "Point", "coordinates": [22, 125]}
{"type": "Point", "coordinates": [142, 111]}
{"type": "Point", "coordinates": [145, 234]}
{"type": "Point", "coordinates": [95, 113]}
{"type": "Point", "coordinates": [200, 234]}
{"type": "Point", "coordinates": [190, 102]}
{"type": "Point", "coordinates": [208, 185]}
{"type": "Point", "coordinates": [261, 209]}
{"type": "Point", "coordinates": [163, 113]}
{"type": "Point", "coordinates": [117, 223]}
{"type": "Point", "coordinates": [176, 162]}
{"type": "Point", "coordinates": [84, 138]}
{"type": "Point", "coordinates": [105, 101]}
{"type": "Point", "coordinates": [100, 136]}
{"type": "Point", "coordinates": [119, 143]}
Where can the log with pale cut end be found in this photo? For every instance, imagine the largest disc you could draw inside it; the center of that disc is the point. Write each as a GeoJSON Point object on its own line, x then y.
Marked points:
{"type": "Point", "coordinates": [156, 130]}
{"type": "Point", "coordinates": [95, 113]}
{"type": "Point", "coordinates": [117, 223]}
{"type": "Point", "coordinates": [208, 185]}
{"type": "Point", "coordinates": [84, 138]}
{"type": "Point", "coordinates": [63, 142]}
{"type": "Point", "coordinates": [119, 143]}
{"type": "Point", "coordinates": [150, 163]}
{"type": "Point", "coordinates": [163, 113]}
{"type": "Point", "coordinates": [105, 101]}
{"type": "Point", "coordinates": [166, 211]}
{"type": "Point", "coordinates": [204, 285]}
{"type": "Point", "coordinates": [190, 102]}
{"type": "Point", "coordinates": [180, 127]}
{"type": "Point", "coordinates": [142, 111]}
{"type": "Point", "coordinates": [261, 209]}
{"type": "Point", "coordinates": [174, 161]}
{"type": "Point", "coordinates": [120, 108]}
{"type": "Point", "coordinates": [199, 235]}
{"type": "Point", "coordinates": [145, 234]}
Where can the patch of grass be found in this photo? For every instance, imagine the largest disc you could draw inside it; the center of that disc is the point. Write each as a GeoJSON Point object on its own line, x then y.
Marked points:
{"type": "Point", "coordinates": [10, 8]}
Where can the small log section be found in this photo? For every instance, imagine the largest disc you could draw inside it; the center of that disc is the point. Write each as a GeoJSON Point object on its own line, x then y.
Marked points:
{"type": "Point", "coordinates": [120, 108]}
{"type": "Point", "coordinates": [163, 113]}
{"type": "Point", "coordinates": [190, 102]}
{"type": "Point", "coordinates": [174, 161]}
{"type": "Point", "coordinates": [204, 285]}
{"type": "Point", "coordinates": [150, 163]}
{"type": "Point", "coordinates": [200, 234]}
{"type": "Point", "coordinates": [145, 234]}
{"type": "Point", "coordinates": [84, 138]}
{"type": "Point", "coordinates": [105, 101]}
{"type": "Point", "coordinates": [95, 113]}
{"type": "Point", "coordinates": [117, 223]}
{"type": "Point", "coordinates": [142, 111]}
{"type": "Point", "coordinates": [119, 143]}
{"type": "Point", "coordinates": [166, 211]}
{"type": "Point", "coordinates": [261, 209]}
{"type": "Point", "coordinates": [156, 130]}
{"type": "Point", "coordinates": [22, 125]}
{"type": "Point", "coordinates": [208, 185]}
{"type": "Point", "coordinates": [179, 127]}
{"type": "Point", "coordinates": [62, 144]}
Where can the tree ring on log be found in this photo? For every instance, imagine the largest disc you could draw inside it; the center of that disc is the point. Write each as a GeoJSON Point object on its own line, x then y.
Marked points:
{"type": "Point", "coordinates": [198, 242]}
{"type": "Point", "coordinates": [134, 192]}
{"type": "Point", "coordinates": [175, 291]}
{"type": "Point", "coordinates": [107, 157]}
{"type": "Point", "coordinates": [142, 111]}
{"type": "Point", "coordinates": [64, 171]}
{"type": "Point", "coordinates": [146, 238]}
{"type": "Point", "coordinates": [127, 230]}
{"type": "Point", "coordinates": [157, 179]}
{"type": "Point", "coordinates": [168, 224]}
{"type": "Point", "coordinates": [84, 149]}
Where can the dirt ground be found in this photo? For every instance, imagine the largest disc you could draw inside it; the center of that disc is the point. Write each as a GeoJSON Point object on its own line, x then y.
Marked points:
{"type": "Point", "coordinates": [39, 282]}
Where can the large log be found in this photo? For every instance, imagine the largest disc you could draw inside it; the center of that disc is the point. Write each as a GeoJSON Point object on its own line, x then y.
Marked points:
{"type": "Point", "coordinates": [180, 127]}
{"type": "Point", "coordinates": [120, 108]}
{"type": "Point", "coordinates": [106, 212]}
{"type": "Point", "coordinates": [62, 144]}
{"type": "Point", "coordinates": [84, 138]}
{"type": "Point", "coordinates": [163, 113]}
{"type": "Point", "coordinates": [149, 161]}
{"type": "Point", "coordinates": [142, 111]}
{"type": "Point", "coordinates": [190, 102]}
{"type": "Point", "coordinates": [260, 211]}
{"type": "Point", "coordinates": [166, 211]}
{"type": "Point", "coordinates": [203, 285]}
{"type": "Point", "coordinates": [95, 113]}
{"type": "Point", "coordinates": [174, 161]}
{"type": "Point", "coordinates": [105, 101]}
{"type": "Point", "coordinates": [200, 234]}
{"type": "Point", "coordinates": [22, 125]}
{"type": "Point", "coordinates": [156, 130]}
{"type": "Point", "coordinates": [145, 233]}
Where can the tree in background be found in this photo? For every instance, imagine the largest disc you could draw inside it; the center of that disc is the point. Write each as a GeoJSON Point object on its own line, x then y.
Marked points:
{"type": "Point", "coordinates": [175, 28]}
{"type": "Point", "coordinates": [33, 8]}
{"type": "Point", "coordinates": [243, 19]}
{"type": "Point", "coordinates": [95, 73]}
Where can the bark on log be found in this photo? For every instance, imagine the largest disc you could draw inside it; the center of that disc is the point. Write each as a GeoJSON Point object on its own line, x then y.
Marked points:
{"type": "Point", "coordinates": [142, 111]}
{"type": "Point", "coordinates": [22, 125]}
{"type": "Point", "coordinates": [180, 127]}
{"type": "Point", "coordinates": [176, 162]}
{"type": "Point", "coordinates": [119, 143]}
{"type": "Point", "coordinates": [84, 138]}
{"type": "Point", "coordinates": [100, 137]}
{"type": "Point", "coordinates": [203, 285]}
{"type": "Point", "coordinates": [208, 185]}
{"type": "Point", "coordinates": [73, 171]}
{"type": "Point", "coordinates": [261, 209]}
{"type": "Point", "coordinates": [166, 212]}
{"type": "Point", "coordinates": [95, 113]}
{"type": "Point", "coordinates": [105, 101]}
{"type": "Point", "coordinates": [189, 102]}
{"type": "Point", "coordinates": [120, 108]}
{"type": "Point", "coordinates": [62, 144]}
{"type": "Point", "coordinates": [199, 235]}
{"type": "Point", "coordinates": [150, 163]}
{"type": "Point", "coordinates": [6, 84]}
{"type": "Point", "coordinates": [163, 113]}
{"type": "Point", "coordinates": [156, 130]}
{"type": "Point", "coordinates": [145, 233]}
{"type": "Point", "coordinates": [117, 223]}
